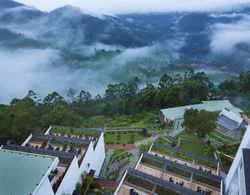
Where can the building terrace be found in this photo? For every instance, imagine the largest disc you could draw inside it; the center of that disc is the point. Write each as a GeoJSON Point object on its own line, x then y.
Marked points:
{"type": "Point", "coordinates": [138, 182]}
{"type": "Point", "coordinates": [196, 161]}
{"type": "Point", "coordinates": [79, 133]}
{"type": "Point", "coordinates": [61, 144]}
{"type": "Point", "coordinates": [183, 175]}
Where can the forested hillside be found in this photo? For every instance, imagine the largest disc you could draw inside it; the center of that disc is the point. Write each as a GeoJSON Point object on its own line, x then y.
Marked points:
{"type": "Point", "coordinates": [30, 114]}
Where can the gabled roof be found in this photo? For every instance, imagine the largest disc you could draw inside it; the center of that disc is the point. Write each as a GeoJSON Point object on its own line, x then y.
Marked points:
{"type": "Point", "coordinates": [227, 123]}
{"type": "Point", "coordinates": [21, 173]}
{"type": "Point", "coordinates": [211, 106]}
{"type": "Point", "coordinates": [229, 120]}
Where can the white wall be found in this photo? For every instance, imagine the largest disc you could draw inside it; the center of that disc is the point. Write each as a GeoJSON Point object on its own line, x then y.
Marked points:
{"type": "Point", "coordinates": [94, 157]}
{"type": "Point", "coordinates": [245, 143]}
{"type": "Point", "coordinates": [121, 182]}
{"type": "Point", "coordinates": [27, 140]}
{"type": "Point", "coordinates": [45, 188]}
{"type": "Point", "coordinates": [73, 175]}
{"type": "Point", "coordinates": [99, 155]}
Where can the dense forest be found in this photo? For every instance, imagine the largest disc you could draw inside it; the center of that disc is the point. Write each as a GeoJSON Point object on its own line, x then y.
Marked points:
{"type": "Point", "coordinates": [23, 116]}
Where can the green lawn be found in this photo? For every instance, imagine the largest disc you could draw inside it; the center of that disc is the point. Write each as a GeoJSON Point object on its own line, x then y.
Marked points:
{"type": "Point", "coordinates": [163, 141]}
{"type": "Point", "coordinates": [192, 143]}
{"type": "Point", "coordinates": [191, 146]}
{"type": "Point", "coordinates": [124, 137]}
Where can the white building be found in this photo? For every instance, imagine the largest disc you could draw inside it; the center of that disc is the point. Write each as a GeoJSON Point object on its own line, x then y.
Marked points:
{"type": "Point", "coordinates": [229, 120]}
{"type": "Point", "coordinates": [174, 117]}
{"type": "Point", "coordinates": [25, 173]}
{"type": "Point", "coordinates": [176, 113]}
{"type": "Point", "coordinates": [238, 178]}
{"type": "Point", "coordinates": [77, 151]}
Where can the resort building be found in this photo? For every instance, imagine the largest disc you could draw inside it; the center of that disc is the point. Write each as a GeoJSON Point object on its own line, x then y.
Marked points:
{"type": "Point", "coordinates": [238, 178]}
{"type": "Point", "coordinates": [166, 170]}
{"type": "Point", "coordinates": [25, 173]}
{"type": "Point", "coordinates": [77, 151]}
{"type": "Point", "coordinates": [230, 124]}
{"type": "Point", "coordinates": [174, 117]}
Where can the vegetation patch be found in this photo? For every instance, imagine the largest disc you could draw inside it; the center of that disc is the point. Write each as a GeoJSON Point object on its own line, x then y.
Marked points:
{"type": "Point", "coordinates": [124, 137]}
{"type": "Point", "coordinates": [118, 155]}
{"type": "Point", "coordinates": [113, 176]}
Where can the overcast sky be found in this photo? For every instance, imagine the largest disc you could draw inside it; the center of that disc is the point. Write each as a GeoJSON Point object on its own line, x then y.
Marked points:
{"type": "Point", "coordinates": [128, 6]}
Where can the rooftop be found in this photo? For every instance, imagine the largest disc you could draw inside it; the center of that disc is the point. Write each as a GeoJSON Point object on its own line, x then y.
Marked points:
{"type": "Point", "coordinates": [227, 123]}
{"type": "Point", "coordinates": [159, 182]}
{"type": "Point", "coordinates": [211, 106]}
{"type": "Point", "coordinates": [182, 167]}
{"type": "Point", "coordinates": [229, 120]}
{"type": "Point", "coordinates": [22, 172]}
{"type": "Point", "coordinates": [178, 150]}
{"type": "Point", "coordinates": [78, 132]}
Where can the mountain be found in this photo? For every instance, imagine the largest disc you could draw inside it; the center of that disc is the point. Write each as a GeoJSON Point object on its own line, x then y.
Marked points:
{"type": "Point", "coordinates": [9, 4]}
{"type": "Point", "coordinates": [69, 29]}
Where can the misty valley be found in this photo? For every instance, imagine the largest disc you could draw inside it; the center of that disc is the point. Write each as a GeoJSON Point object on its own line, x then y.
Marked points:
{"type": "Point", "coordinates": [67, 48]}
{"type": "Point", "coordinates": [109, 97]}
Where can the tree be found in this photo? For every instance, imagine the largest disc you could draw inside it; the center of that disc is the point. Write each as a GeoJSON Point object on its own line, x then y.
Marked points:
{"type": "Point", "coordinates": [245, 82]}
{"type": "Point", "coordinates": [199, 122]}
{"type": "Point", "coordinates": [62, 115]}
{"type": "Point", "coordinates": [166, 81]}
{"type": "Point", "coordinates": [84, 186]}
{"type": "Point", "coordinates": [54, 99]}
{"type": "Point", "coordinates": [84, 96]}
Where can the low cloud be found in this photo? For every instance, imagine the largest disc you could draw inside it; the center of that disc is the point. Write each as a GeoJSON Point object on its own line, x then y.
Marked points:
{"type": "Point", "coordinates": [226, 36]}
{"type": "Point", "coordinates": [22, 70]}
{"type": "Point", "coordinates": [131, 6]}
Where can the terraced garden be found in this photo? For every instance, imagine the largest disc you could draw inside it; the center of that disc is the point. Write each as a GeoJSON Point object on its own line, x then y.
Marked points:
{"type": "Point", "coordinates": [124, 137]}
{"type": "Point", "coordinates": [219, 138]}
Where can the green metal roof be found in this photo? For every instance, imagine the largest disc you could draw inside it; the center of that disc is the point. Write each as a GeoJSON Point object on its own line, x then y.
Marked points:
{"type": "Point", "coordinates": [211, 106]}
{"type": "Point", "coordinates": [20, 172]}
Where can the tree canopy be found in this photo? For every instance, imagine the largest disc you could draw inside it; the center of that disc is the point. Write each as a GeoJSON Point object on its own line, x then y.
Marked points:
{"type": "Point", "coordinates": [200, 122]}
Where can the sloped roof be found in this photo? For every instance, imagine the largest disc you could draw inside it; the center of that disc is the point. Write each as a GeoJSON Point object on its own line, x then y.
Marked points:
{"type": "Point", "coordinates": [21, 172]}
{"type": "Point", "coordinates": [211, 106]}
{"type": "Point", "coordinates": [227, 123]}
